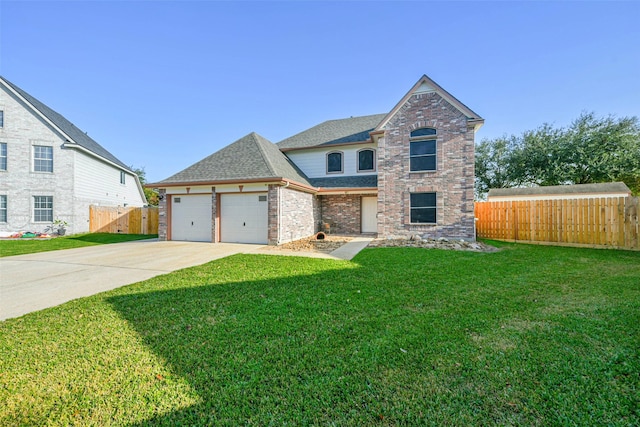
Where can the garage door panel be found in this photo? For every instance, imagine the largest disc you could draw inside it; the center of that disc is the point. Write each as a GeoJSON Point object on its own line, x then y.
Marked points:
{"type": "Point", "coordinates": [191, 218]}
{"type": "Point", "coordinates": [244, 218]}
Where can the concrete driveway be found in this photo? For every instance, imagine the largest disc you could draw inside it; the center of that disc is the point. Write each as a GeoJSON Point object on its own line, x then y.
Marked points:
{"type": "Point", "coordinates": [36, 281]}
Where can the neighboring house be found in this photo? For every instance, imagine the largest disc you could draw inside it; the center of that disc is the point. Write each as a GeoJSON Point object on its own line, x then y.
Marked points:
{"type": "Point", "coordinates": [50, 169]}
{"type": "Point", "coordinates": [406, 172]}
{"type": "Point", "coordinates": [555, 192]}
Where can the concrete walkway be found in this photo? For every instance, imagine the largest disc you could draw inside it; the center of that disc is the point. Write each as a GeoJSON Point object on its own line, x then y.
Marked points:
{"type": "Point", "coordinates": [36, 281]}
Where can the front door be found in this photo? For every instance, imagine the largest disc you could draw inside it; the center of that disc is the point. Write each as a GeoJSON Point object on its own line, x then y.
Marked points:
{"type": "Point", "coordinates": [369, 211]}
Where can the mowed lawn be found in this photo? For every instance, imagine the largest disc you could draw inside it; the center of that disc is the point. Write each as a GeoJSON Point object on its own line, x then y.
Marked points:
{"type": "Point", "coordinates": [530, 335]}
{"type": "Point", "coordinates": [10, 247]}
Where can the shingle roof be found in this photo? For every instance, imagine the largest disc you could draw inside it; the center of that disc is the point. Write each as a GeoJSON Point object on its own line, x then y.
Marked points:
{"type": "Point", "coordinates": [363, 181]}
{"type": "Point", "coordinates": [78, 136]}
{"type": "Point", "coordinates": [333, 132]}
{"type": "Point", "coordinates": [605, 187]}
{"type": "Point", "coordinates": [250, 157]}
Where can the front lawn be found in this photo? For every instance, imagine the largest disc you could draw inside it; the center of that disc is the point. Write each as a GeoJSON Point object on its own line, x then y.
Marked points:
{"type": "Point", "coordinates": [530, 335]}
{"type": "Point", "coordinates": [9, 247]}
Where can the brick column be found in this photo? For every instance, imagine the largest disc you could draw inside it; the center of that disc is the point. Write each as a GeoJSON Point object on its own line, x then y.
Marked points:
{"type": "Point", "coordinates": [214, 214]}
{"type": "Point", "coordinates": [162, 215]}
{"type": "Point", "coordinates": [273, 199]}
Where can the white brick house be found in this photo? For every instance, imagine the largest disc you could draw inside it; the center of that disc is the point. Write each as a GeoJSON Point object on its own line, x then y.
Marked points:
{"type": "Point", "coordinates": [50, 169]}
{"type": "Point", "coordinates": [405, 172]}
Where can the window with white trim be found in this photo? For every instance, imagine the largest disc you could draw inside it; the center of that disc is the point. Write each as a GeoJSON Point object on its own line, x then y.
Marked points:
{"type": "Point", "coordinates": [422, 150]}
{"type": "Point", "coordinates": [3, 156]}
{"type": "Point", "coordinates": [3, 208]}
{"type": "Point", "coordinates": [123, 177]}
{"type": "Point", "coordinates": [1, 118]}
{"type": "Point", "coordinates": [42, 158]}
{"type": "Point", "coordinates": [423, 208]}
{"type": "Point", "coordinates": [366, 160]}
{"type": "Point", "coordinates": [42, 208]}
{"type": "Point", "coordinates": [334, 162]}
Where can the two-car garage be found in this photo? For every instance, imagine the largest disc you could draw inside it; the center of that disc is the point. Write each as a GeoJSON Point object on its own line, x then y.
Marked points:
{"type": "Point", "coordinates": [243, 217]}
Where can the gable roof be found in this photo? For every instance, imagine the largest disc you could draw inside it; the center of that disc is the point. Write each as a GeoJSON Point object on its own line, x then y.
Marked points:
{"type": "Point", "coordinates": [426, 85]}
{"type": "Point", "coordinates": [333, 132]}
{"type": "Point", "coordinates": [252, 157]}
{"type": "Point", "coordinates": [603, 187]}
{"type": "Point", "coordinates": [65, 126]}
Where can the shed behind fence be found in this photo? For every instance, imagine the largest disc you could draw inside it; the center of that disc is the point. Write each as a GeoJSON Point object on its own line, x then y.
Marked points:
{"type": "Point", "coordinates": [611, 221]}
{"type": "Point", "coordinates": [129, 220]}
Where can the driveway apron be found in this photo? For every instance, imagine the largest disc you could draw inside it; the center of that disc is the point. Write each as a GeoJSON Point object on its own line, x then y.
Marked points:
{"type": "Point", "coordinates": [36, 281]}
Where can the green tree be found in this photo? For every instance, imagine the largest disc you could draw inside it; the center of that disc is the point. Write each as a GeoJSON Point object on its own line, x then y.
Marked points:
{"type": "Point", "coordinates": [589, 150]}
{"type": "Point", "coordinates": [151, 196]}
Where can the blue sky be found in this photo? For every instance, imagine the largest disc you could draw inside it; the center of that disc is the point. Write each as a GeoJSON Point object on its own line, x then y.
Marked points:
{"type": "Point", "coordinates": [163, 84]}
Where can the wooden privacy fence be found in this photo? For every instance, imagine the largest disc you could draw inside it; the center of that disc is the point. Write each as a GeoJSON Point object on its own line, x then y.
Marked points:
{"type": "Point", "coordinates": [611, 221]}
{"type": "Point", "coordinates": [129, 220]}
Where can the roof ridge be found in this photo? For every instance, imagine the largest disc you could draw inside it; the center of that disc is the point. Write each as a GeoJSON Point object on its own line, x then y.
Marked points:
{"type": "Point", "coordinates": [257, 137]}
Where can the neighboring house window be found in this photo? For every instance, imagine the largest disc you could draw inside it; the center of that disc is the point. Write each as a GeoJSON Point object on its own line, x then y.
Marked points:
{"type": "Point", "coordinates": [1, 119]}
{"type": "Point", "coordinates": [334, 162]}
{"type": "Point", "coordinates": [423, 208]}
{"type": "Point", "coordinates": [422, 150]}
{"type": "Point", "coordinates": [122, 177]}
{"type": "Point", "coordinates": [42, 158]}
{"type": "Point", "coordinates": [3, 156]}
{"type": "Point", "coordinates": [366, 160]}
{"type": "Point", "coordinates": [43, 208]}
{"type": "Point", "coordinates": [3, 208]}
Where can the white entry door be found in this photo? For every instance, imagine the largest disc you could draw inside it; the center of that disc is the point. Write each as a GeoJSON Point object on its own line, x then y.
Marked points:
{"type": "Point", "coordinates": [244, 218]}
{"type": "Point", "coordinates": [369, 223]}
{"type": "Point", "coordinates": [191, 217]}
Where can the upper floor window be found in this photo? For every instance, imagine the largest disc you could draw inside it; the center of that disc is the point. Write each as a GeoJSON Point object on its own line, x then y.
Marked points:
{"type": "Point", "coordinates": [366, 160]}
{"type": "Point", "coordinates": [3, 156]}
{"type": "Point", "coordinates": [422, 150]}
{"type": "Point", "coordinates": [3, 208]}
{"type": "Point", "coordinates": [334, 162]}
{"type": "Point", "coordinates": [42, 208]}
{"type": "Point", "coordinates": [42, 158]}
{"type": "Point", "coordinates": [123, 177]}
{"type": "Point", "coordinates": [423, 208]}
{"type": "Point", "coordinates": [1, 119]}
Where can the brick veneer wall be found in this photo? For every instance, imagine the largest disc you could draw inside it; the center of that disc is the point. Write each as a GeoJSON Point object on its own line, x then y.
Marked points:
{"type": "Point", "coordinates": [299, 215]}
{"type": "Point", "coordinates": [162, 215]}
{"type": "Point", "coordinates": [453, 181]}
{"type": "Point", "coordinates": [342, 213]}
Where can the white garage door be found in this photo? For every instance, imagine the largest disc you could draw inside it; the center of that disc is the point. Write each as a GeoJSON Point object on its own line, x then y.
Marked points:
{"type": "Point", "coordinates": [243, 218]}
{"type": "Point", "coordinates": [191, 217]}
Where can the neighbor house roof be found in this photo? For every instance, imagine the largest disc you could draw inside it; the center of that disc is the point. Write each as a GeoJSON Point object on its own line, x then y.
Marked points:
{"type": "Point", "coordinates": [65, 126]}
{"type": "Point", "coordinates": [252, 157]}
{"type": "Point", "coordinates": [600, 188]}
{"type": "Point", "coordinates": [333, 132]}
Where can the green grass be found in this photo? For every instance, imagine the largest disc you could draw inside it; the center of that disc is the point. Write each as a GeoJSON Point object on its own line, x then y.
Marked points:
{"type": "Point", "coordinates": [530, 335]}
{"type": "Point", "coordinates": [9, 247]}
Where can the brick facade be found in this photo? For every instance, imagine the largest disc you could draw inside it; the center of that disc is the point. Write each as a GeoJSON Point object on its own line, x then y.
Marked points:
{"type": "Point", "coordinates": [342, 213]}
{"type": "Point", "coordinates": [299, 215]}
{"type": "Point", "coordinates": [163, 215]}
{"type": "Point", "coordinates": [453, 181]}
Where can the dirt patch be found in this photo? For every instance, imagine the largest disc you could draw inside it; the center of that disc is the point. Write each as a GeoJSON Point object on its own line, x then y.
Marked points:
{"type": "Point", "coordinates": [311, 244]}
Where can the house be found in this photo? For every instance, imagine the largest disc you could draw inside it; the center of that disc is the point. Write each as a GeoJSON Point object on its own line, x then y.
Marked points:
{"type": "Point", "coordinates": [556, 192]}
{"type": "Point", "coordinates": [409, 171]}
{"type": "Point", "coordinates": [50, 169]}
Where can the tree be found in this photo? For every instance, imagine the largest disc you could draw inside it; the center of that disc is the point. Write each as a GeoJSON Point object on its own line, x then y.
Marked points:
{"type": "Point", "coordinates": [151, 196]}
{"type": "Point", "coordinates": [590, 150]}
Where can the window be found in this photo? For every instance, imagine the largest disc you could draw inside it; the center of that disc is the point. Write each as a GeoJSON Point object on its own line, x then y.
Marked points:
{"type": "Point", "coordinates": [43, 208]}
{"type": "Point", "coordinates": [423, 208]}
{"type": "Point", "coordinates": [123, 179]}
{"type": "Point", "coordinates": [334, 162]}
{"type": "Point", "coordinates": [366, 161]}
{"type": "Point", "coordinates": [42, 158]}
{"type": "Point", "coordinates": [3, 208]}
{"type": "Point", "coordinates": [1, 119]}
{"type": "Point", "coordinates": [422, 150]}
{"type": "Point", "coordinates": [3, 156]}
